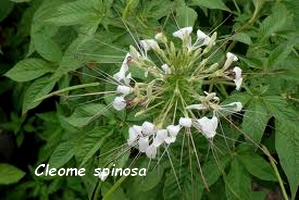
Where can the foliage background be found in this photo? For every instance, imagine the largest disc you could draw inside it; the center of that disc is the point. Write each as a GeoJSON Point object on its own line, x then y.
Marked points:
{"type": "Point", "coordinates": [44, 43]}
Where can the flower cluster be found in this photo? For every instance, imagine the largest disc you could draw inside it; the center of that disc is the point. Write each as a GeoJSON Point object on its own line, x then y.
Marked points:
{"type": "Point", "coordinates": [172, 85]}
{"type": "Point", "coordinates": [142, 135]}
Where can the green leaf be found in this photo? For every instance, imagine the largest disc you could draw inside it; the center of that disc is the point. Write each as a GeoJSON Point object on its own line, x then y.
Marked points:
{"type": "Point", "coordinates": [37, 89]}
{"type": "Point", "coordinates": [185, 16]}
{"type": "Point", "coordinates": [69, 62]}
{"type": "Point", "coordinates": [237, 182]}
{"type": "Point", "coordinates": [287, 146]}
{"type": "Point", "coordinates": [29, 69]}
{"type": "Point", "coordinates": [20, 1]}
{"type": "Point", "coordinates": [5, 8]}
{"type": "Point", "coordinates": [90, 144]}
{"type": "Point", "coordinates": [281, 52]}
{"type": "Point", "coordinates": [10, 174]}
{"type": "Point", "coordinates": [242, 37]}
{"type": "Point", "coordinates": [62, 154]}
{"type": "Point", "coordinates": [255, 120]}
{"type": "Point", "coordinates": [46, 47]}
{"type": "Point", "coordinates": [85, 114]}
{"type": "Point", "coordinates": [152, 179]}
{"type": "Point", "coordinates": [78, 12]}
{"type": "Point", "coordinates": [279, 20]}
{"type": "Point", "coordinates": [212, 4]}
{"type": "Point", "coordinates": [258, 167]}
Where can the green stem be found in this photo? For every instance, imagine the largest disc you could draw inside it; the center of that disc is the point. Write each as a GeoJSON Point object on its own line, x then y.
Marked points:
{"type": "Point", "coordinates": [66, 90]}
{"type": "Point", "coordinates": [272, 161]}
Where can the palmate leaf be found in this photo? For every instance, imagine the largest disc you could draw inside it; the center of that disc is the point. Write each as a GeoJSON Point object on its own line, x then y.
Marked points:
{"type": "Point", "coordinates": [78, 12]}
{"type": "Point", "coordinates": [69, 62]}
{"type": "Point", "coordinates": [10, 174]}
{"type": "Point", "coordinates": [91, 143]}
{"type": "Point", "coordinates": [255, 120]}
{"type": "Point", "coordinates": [185, 16]}
{"type": "Point", "coordinates": [286, 138]}
{"type": "Point", "coordinates": [29, 69]}
{"type": "Point", "coordinates": [84, 114]}
{"type": "Point", "coordinates": [62, 154]}
{"type": "Point", "coordinates": [242, 37]}
{"type": "Point", "coordinates": [237, 182]}
{"type": "Point", "coordinates": [287, 146]}
{"type": "Point", "coordinates": [46, 47]}
{"type": "Point", "coordinates": [258, 167]}
{"type": "Point", "coordinates": [212, 4]}
{"type": "Point", "coordinates": [279, 20]}
{"type": "Point", "coordinates": [37, 89]}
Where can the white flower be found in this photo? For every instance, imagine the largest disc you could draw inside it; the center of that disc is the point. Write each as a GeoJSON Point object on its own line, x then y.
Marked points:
{"type": "Point", "coordinates": [161, 37]}
{"type": "Point", "coordinates": [134, 132]}
{"type": "Point", "coordinates": [166, 69]}
{"type": "Point", "coordinates": [234, 106]}
{"type": "Point", "coordinates": [203, 38]}
{"type": "Point", "coordinates": [121, 74]}
{"type": "Point", "coordinates": [151, 151]}
{"type": "Point", "coordinates": [149, 44]}
{"type": "Point", "coordinates": [125, 90]}
{"type": "Point", "coordinates": [238, 77]}
{"type": "Point", "coordinates": [160, 137]}
{"type": "Point", "coordinates": [148, 128]}
{"type": "Point", "coordinates": [143, 144]}
{"type": "Point", "coordinates": [119, 103]}
{"type": "Point", "coordinates": [197, 107]}
{"type": "Point", "coordinates": [103, 176]}
{"type": "Point", "coordinates": [134, 53]}
{"type": "Point", "coordinates": [186, 122]}
{"type": "Point", "coordinates": [173, 131]}
{"type": "Point", "coordinates": [211, 96]}
{"type": "Point", "coordinates": [230, 58]}
{"type": "Point", "coordinates": [183, 33]}
{"type": "Point", "coordinates": [208, 126]}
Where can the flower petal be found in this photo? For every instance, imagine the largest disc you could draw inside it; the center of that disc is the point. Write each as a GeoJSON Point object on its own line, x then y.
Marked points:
{"type": "Point", "coordinates": [160, 136]}
{"type": "Point", "coordinates": [183, 33]}
{"type": "Point", "coordinates": [238, 77]}
{"type": "Point", "coordinates": [149, 44]}
{"type": "Point", "coordinates": [119, 103]}
{"type": "Point", "coordinates": [166, 69]}
{"type": "Point", "coordinates": [197, 107]}
{"type": "Point", "coordinates": [148, 128]}
{"type": "Point", "coordinates": [143, 144]}
{"type": "Point", "coordinates": [173, 130]}
{"type": "Point", "coordinates": [125, 90]}
{"type": "Point", "coordinates": [208, 126]}
{"type": "Point", "coordinates": [134, 132]}
{"type": "Point", "coordinates": [151, 151]}
{"type": "Point", "coordinates": [230, 58]}
{"type": "Point", "coordinates": [186, 122]}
